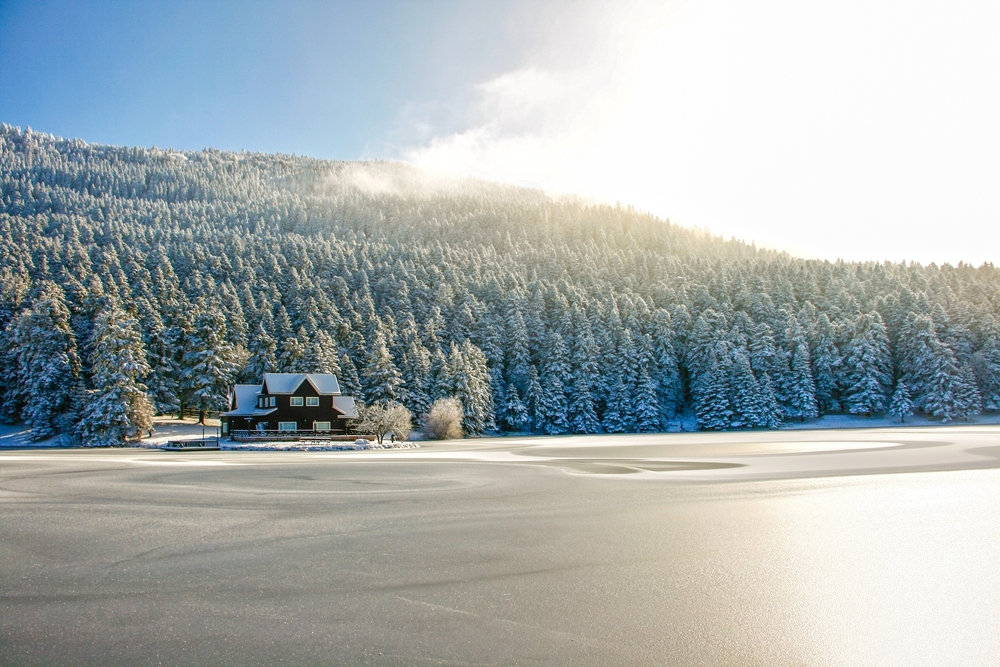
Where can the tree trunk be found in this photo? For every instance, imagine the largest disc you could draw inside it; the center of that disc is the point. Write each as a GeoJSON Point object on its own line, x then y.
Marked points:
{"type": "Point", "coordinates": [201, 417]}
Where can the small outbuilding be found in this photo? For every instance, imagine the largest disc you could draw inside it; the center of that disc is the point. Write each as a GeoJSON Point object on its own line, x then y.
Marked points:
{"type": "Point", "coordinates": [289, 404]}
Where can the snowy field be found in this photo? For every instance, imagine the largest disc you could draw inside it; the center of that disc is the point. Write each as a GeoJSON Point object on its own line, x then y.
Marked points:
{"type": "Point", "coordinates": [866, 547]}
{"type": "Point", "coordinates": [171, 428]}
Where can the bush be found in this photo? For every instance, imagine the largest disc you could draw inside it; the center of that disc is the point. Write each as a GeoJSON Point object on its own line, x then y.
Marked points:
{"type": "Point", "coordinates": [444, 420]}
{"type": "Point", "coordinates": [382, 419]}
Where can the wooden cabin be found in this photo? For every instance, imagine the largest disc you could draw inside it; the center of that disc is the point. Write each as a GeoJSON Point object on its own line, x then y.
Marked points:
{"type": "Point", "coordinates": [289, 404]}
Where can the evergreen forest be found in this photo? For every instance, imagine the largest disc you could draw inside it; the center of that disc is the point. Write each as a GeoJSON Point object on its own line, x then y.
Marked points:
{"type": "Point", "coordinates": [136, 280]}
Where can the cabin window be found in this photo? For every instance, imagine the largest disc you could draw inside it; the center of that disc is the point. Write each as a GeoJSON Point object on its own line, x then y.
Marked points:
{"type": "Point", "coordinates": [272, 401]}
{"type": "Point", "coordinates": [321, 426]}
{"type": "Point", "coordinates": [262, 426]}
{"type": "Point", "coordinates": [225, 428]}
{"type": "Point", "coordinates": [312, 401]}
{"type": "Point", "coordinates": [265, 402]}
{"type": "Point", "coordinates": [296, 401]}
{"type": "Point", "coordinates": [288, 426]}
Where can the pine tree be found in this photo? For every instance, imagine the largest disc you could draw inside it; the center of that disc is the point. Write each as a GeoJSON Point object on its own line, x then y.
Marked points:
{"type": "Point", "coordinates": [553, 406]}
{"type": "Point", "coordinates": [901, 405]}
{"type": "Point", "coordinates": [556, 372]}
{"type": "Point", "coordinates": [712, 403]}
{"type": "Point", "coordinates": [478, 399]}
{"type": "Point", "coordinates": [118, 407]}
{"type": "Point", "coordinates": [294, 349]}
{"type": "Point", "coordinates": [262, 356]}
{"type": "Point", "coordinates": [466, 378]}
{"type": "Point", "coordinates": [380, 378]}
{"type": "Point", "coordinates": [746, 397]}
{"type": "Point", "coordinates": [47, 365]}
{"type": "Point", "coordinates": [826, 367]}
{"type": "Point", "coordinates": [415, 367]}
{"type": "Point", "coordinates": [801, 391]}
{"type": "Point", "coordinates": [986, 366]}
{"type": "Point", "coordinates": [208, 368]}
{"type": "Point", "coordinates": [533, 399]}
{"type": "Point", "coordinates": [321, 357]}
{"type": "Point", "coordinates": [869, 366]}
{"type": "Point", "coordinates": [616, 415]}
{"type": "Point", "coordinates": [647, 405]}
{"type": "Point", "coordinates": [350, 384]}
{"type": "Point", "coordinates": [163, 379]}
{"type": "Point", "coordinates": [515, 415]}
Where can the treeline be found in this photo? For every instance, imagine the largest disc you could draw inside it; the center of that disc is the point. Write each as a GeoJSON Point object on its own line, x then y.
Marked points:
{"type": "Point", "coordinates": [146, 279]}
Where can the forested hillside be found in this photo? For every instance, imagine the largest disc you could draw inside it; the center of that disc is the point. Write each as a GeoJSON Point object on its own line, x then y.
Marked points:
{"type": "Point", "coordinates": [128, 273]}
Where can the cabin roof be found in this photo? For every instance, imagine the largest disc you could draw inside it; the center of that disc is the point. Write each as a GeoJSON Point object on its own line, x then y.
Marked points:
{"type": "Point", "coordinates": [346, 405]}
{"type": "Point", "coordinates": [325, 384]}
{"type": "Point", "coordinates": [246, 402]}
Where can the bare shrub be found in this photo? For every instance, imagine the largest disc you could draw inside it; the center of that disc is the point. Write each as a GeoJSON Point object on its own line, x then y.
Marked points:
{"type": "Point", "coordinates": [382, 419]}
{"type": "Point", "coordinates": [444, 420]}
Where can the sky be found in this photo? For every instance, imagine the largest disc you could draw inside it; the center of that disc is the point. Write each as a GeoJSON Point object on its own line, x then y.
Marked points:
{"type": "Point", "coordinates": [860, 129]}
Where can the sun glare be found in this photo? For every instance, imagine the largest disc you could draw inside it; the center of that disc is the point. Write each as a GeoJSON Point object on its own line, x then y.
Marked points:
{"type": "Point", "coordinates": [802, 127]}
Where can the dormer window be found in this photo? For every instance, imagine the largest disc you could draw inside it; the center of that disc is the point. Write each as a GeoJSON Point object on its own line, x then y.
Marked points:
{"type": "Point", "coordinates": [265, 401]}
{"type": "Point", "coordinates": [296, 401]}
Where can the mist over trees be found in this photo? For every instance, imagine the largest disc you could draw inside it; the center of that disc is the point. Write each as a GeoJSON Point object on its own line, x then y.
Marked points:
{"type": "Point", "coordinates": [140, 279]}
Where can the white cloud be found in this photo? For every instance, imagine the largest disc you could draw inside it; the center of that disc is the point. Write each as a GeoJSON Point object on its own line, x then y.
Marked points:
{"type": "Point", "coordinates": [858, 129]}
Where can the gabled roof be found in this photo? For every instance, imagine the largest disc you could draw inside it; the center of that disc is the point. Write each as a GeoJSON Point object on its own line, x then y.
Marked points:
{"type": "Point", "coordinates": [325, 384]}
{"type": "Point", "coordinates": [345, 404]}
{"type": "Point", "coordinates": [246, 402]}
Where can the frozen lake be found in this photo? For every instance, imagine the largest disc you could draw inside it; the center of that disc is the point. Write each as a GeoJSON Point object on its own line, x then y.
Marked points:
{"type": "Point", "coordinates": [853, 547]}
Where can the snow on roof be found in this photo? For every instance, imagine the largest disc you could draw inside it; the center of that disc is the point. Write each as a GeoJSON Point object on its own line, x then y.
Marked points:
{"type": "Point", "coordinates": [325, 384]}
{"type": "Point", "coordinates": [346, 405]}
{"type": "Point", "coordinates": [246, 400]}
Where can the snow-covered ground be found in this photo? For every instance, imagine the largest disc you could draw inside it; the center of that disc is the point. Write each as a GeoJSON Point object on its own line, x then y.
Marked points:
{"type": "Point", "coordinates": [18, 436]}
{"type": "Point", "coordinates": [171, 428]}
{"type": "Point", "coordinates": [886, 421]}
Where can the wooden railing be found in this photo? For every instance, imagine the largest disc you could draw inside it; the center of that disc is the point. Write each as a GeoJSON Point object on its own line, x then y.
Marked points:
{"type": "Point", "coordinates": [251, 435]}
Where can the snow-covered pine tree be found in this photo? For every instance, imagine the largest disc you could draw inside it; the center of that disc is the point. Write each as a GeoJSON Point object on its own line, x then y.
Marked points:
{"type": "Point", "coordinates": [533, 399]}
{"type": "Point", "coordinates": [517, 357]}
{"type": "Point", "coordinates": [826, 366]}
{"type": "Point", "coordinates": [415, 367]}
{"type": "Point", "coordinates": [380, 378]}
{"type": "Point", "coordinates": [514, 416]}
{"type": "Point", "coordinates": [800, 390]}
{"type": "Point", "coordinates": [555, 379]}
{"type": "Point", "coordinates": [553, 405]}
{"type": "Point", "coordinates": [48, 368]}
{"type": "Point", "coordinates": [321, 357]}
{"type": "Point", "coordinates": [711, 394]}
{"type": "Point", "coordinates": [747, 401]}
{"type": "Point", "coordinates": [117, 408]}
{"type": "Point", "coordinates": [901, 404]}
{"type": "Point", "coordinates": [647, 405]}
{"type": "Point", "coordinates": [163, 379]}
{"type": "Point", "coordinates": [771, 414]}
{"type": "Point", "coordinates": [868, 365]}
{"type": "Point", "coordinates": [207, 365]}
{"type": "Point", "coordinates": [670, 391]}
{"type": "Point", "coordinates": [986, 366]}
{"type": "Point", "coordinates": [263, 358]}
{"type": "Point", "coordinates": [616, 414]}
{"type": "Point", "coordinates": [294, 352]}
{"type": "Point", "coordinates": [350, 383]}
{"type": "Point", "coordinates": [478, 399]}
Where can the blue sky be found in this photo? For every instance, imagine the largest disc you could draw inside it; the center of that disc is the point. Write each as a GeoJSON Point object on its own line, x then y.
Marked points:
{"type": "Point", "coordinates": [856, 129]}
{"type": "Point", "coordinates": [333, 80]}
